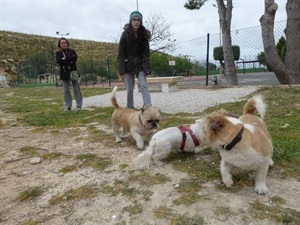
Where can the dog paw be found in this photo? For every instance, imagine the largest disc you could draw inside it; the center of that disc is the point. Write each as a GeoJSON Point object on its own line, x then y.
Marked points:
{"type": "Point", "coordinates": [140, 146]}
{"type": "Point", "coordinates": [159, 163]}
{"type": "Point", "coordinates": [118, 140]}
{"type": "Point", "coordinates": [227, 181]}
{"type": "Point", "coordinates": [261, 188]}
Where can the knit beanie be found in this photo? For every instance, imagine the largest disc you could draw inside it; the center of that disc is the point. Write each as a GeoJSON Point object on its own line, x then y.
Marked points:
{"type": "Point", "coordinates": [136, 14]}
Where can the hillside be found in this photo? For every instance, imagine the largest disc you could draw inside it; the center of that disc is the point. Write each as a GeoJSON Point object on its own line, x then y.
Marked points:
{"type": "Point", "coordinates": [16, 48]}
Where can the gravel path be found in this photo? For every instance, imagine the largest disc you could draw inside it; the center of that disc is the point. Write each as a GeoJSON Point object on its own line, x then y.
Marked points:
{"type": "Point", "coordinates": [181, 100]}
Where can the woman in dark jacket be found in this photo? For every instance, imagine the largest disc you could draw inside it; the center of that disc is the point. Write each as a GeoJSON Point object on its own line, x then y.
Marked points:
{"type": "Point", "coordinates": [66, 58]}
{"type": "Point", "coordinates": [134, 57]}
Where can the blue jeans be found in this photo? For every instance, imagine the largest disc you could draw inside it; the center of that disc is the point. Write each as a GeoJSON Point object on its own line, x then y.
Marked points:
{"type": "Point", "coordinates": [129, 83]}
{"type": "Point", "coordinates": [67, 94]}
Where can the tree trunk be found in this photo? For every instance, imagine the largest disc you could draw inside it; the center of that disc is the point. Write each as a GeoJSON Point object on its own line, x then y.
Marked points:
{"type": "Point", "coordinates": [225, 15]}
{"type": "Point", "coordinates": [288, 72]}
{"type": "Point", "coordinates": [292, 32]}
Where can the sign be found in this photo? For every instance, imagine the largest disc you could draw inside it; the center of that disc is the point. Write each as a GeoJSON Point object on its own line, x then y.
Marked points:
{"type": "Point", "coordinates": [172, 63]}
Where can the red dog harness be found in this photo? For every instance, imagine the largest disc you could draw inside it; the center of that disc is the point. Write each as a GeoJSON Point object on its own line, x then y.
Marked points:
{"type": "Point", "coordinates": [183, 131]}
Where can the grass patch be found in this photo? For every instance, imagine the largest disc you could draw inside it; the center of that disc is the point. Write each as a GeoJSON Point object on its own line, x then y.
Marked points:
{"type": "Point", "coordinates": [33, 222]}
{"type": "Point", "coordinates": [43, 106]}
{"type": "Point", "coordinates": [274, 211]}
{"type": "Point", "coordinates": [187, 220]}
{"type": "Point", "coordinates": [29, 194]}
{"type": "Point", "coordinates": [204, 169]}
{"type": "Point", "coordinates": [84, 192]}
{"type": "Point", "coordinates": [52, 155]}
{"type": "Point", "coordinates": [87, 160]}
{"type": "Point", "coordinates": [189, 192]}
{"type": "Point", "coordinates": [1, 123]}
{"type": "Point", "coordinates": [222, 210]}
{"type": "Point", "coordinates": [120, 187]}
{"type": "Point", "coordinates": [133, 209]}
{"type": "Point", "coordinates": [94, 161]}
{"type": "Point", "coordinates": [146, 179]}
{"type": "Point", "coordinates": [164, 212]}
{"type": "Point", "coordinates": [29, 150]}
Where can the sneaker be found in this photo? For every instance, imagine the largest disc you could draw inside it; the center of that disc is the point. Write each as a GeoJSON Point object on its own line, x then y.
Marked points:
{"type": "Point", "coordinates": [67, 109]}
{"type": "Point", "coordinates": [78, 108]}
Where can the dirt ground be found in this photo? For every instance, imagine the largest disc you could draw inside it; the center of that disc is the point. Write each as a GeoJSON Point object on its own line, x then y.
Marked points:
{"type": "Point", "coordinates": [19, 172]}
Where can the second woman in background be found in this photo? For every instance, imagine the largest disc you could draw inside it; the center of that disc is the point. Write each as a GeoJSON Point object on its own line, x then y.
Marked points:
{"type": "Point", "coordinates": [66, 58]}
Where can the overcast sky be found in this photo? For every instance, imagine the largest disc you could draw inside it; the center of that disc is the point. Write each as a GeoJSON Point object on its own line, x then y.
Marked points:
{"type": "Point", "coordinates": [102, 20]}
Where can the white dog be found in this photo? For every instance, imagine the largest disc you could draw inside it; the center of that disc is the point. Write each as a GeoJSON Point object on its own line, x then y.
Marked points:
{"type": "Point", "coordinates": [243, 142]}
{"type": "Point", "coordinates": [184, 138]}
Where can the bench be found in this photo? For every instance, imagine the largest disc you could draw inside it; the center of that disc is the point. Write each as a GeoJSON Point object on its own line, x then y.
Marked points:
{"type": "Point", "coordinates": [165, 82]}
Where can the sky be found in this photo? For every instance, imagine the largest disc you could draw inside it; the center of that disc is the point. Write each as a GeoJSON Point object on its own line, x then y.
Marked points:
{"type": "Point", "coordinates": [103, 20]}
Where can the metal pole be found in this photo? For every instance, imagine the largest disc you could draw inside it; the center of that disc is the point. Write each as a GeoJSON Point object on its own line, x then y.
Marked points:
{"type": "Point", "coordinates": [207, 56]}
{"type": "Point", "coordinates": [137, 5]}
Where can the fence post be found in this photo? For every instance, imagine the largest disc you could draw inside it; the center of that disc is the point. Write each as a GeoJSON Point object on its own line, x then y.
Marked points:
{"type": "Point", "coordinates": [207, 58]}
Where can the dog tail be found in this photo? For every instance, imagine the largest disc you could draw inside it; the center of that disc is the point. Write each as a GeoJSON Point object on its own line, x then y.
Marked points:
{"type": "Point", "coordinates": [144, 160]}
{"type": "Point", "coordinates": [255, 103]}
{"type": "Point", "coordinates": [113, 99]}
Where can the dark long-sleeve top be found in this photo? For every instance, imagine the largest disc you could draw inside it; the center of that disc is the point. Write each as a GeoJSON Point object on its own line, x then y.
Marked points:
{"type": "Point", "coordinates": [134, 52]}
{"type": "Point", "coordinates": [68, 64]}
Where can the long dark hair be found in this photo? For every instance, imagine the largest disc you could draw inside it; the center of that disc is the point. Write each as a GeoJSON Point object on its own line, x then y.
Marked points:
{"type": "Point", "coordinates": [62, 38]}
{"type": "Point", "coordinates": [142, 33]}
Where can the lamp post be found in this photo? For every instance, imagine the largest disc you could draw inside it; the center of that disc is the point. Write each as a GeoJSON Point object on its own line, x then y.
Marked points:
{"type": "Point", "coordinates": [62, 35]}
{"type": "Point", "coordinates": [137, 5]}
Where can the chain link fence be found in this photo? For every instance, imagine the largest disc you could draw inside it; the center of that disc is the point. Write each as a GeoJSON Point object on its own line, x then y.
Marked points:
{"type": "Point", "coordinates": [250, 69]}
{"type": "Point", "coordinates": [203, 69]}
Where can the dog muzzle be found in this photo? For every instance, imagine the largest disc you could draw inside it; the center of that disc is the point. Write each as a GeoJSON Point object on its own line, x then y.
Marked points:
{"type": "Point", "coordinates": [153, 125]}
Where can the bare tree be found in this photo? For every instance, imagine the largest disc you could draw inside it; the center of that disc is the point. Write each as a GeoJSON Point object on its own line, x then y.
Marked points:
{"type": "Point", "coordinates": [161, 36]}
{"type": "Point", "coordinates": [287, 72]}
{"type": "Point", "coordinates": [225, 15]}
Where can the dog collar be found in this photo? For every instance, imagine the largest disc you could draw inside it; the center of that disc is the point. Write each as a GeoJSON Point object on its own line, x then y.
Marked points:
{"type": "Point", "coordinates": [235, 140]}
{"type": "Point", "coordinates": [183, 130]}
{"type": "Point", "coordinates": [140, 119]}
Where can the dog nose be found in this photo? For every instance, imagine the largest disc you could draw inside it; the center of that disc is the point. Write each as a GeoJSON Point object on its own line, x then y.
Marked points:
{"type": "Point", "coordinates": [154, 125]}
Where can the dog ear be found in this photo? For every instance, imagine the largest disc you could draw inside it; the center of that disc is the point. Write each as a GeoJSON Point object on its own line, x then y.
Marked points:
{"type": "Point", "coordinates": [216, 123]}
{"type": "Point", "coordinates": [144, 107]}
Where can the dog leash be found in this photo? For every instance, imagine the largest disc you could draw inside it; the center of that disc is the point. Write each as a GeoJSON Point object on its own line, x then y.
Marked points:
{"type": "Point", "coordinates": [235, 140]}
{"type": "Point", "coordinates": [183, 130]}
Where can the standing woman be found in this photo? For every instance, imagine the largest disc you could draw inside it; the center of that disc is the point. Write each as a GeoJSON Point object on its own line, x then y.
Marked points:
{"type": "Point", "coordinates": [66, 58]}
{"type": "Point", "coordinates": [134, 57]}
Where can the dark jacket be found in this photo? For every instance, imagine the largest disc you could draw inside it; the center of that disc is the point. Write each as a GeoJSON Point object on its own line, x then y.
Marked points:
{"type": "Point", "coordinates": [68, 64]}
{"type": "Point", "coordinates": [134, 52]}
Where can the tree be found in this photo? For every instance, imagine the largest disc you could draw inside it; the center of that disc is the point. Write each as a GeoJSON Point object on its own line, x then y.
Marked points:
{"type": "Point", "coordinates": [161, 40]}
{"type": "Point", "coordinates": [281, 48]}
{"type": "Point", "coordinates": [287, 71]}
{"type": "Point", "coordinates": [261, 58]}
{"type": "Point", "coordinates": [225, 15]}
{"type": "Point", "coordinates": [161, 36]}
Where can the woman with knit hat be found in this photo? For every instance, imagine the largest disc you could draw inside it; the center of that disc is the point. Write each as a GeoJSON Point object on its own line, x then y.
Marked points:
{"type": "Point", "coordinates": [134, 57]}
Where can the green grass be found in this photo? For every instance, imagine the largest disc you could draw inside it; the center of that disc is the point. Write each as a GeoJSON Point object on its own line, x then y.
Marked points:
{"type": "Point", "coordinates": [274, 211]}
{"type": "Point", "coordinates": [41, 108]}
{"type": "Point", "coordinates": [83, 192]}
{"type": "Point", "coordinates": [30, 194]}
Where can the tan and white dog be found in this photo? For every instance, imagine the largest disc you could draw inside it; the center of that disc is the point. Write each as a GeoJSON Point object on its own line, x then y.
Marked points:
{"type": "Point", "coordinates": [140, 124]}
{"type": "Point", "coordinates": [187, 139]}
{"type": "Point", "coordinates": [243, 142]}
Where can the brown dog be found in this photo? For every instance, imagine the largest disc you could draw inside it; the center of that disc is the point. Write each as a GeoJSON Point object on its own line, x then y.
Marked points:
{"type": "Point", "coordinates": [243, 142]}
{"type": "Point", "coordinates": [140, 124]}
